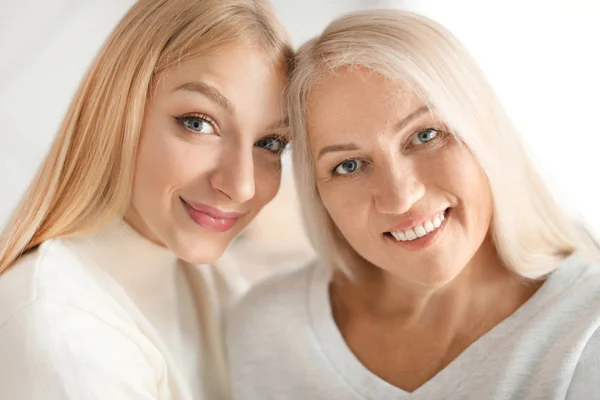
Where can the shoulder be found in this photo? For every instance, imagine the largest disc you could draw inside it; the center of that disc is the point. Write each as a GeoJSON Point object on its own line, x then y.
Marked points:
{"type": "Point", "coordinates": [61, 326]}
{"type": "Point", "coordinates": [568, 302]}
{"type": "Point", "coordinates": [271, 320]}
{"type": "Point", "coordinates": [270, 308]}
{"type": "Point", "coordinates": [51, 289]}
{"type": "Point", "coordinates": [49, 270]}
{"type": "Point", "coordinates": [55, 276]}
{"type": "Point", "coordinates": [70, 353]}
{"type": "Point", "coordinates": [585, 382]}
{"type": "Point", "coordinates": [575, 284]}
{"type": "Point", "coordinates": [567, 307]}
{"type": "Point", "coordinates": [276, 293]}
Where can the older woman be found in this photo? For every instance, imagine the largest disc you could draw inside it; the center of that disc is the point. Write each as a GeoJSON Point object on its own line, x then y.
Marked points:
{"type": "Point", "coordinates": [446, 269]}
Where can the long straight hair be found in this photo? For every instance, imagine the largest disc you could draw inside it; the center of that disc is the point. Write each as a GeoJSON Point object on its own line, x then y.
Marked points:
{"type": "Point", "coordinates": [86, 178]}
{"type": "Point", "coordinates": [531, 232]}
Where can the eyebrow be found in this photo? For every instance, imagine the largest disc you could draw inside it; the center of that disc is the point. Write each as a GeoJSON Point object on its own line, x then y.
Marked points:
{"type": "Point", "coordinates": [413, 115]}
{"type": "Point", "coordinates": [216, 96]}
{"type": "Point", "coordinates": [337, 147]}
{"type": "Point", "coordinates": [351, 146]}
{"type": "Point", "coordinates": [281, 124]}
{"type": "Point", "coordinates": [208, 91]}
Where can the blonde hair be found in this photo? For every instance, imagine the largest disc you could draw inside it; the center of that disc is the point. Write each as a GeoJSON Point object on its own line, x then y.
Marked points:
{"type": "Point", "coordinates": [86, 178]}
{"type": "Point", "coordinates": [530, 231]}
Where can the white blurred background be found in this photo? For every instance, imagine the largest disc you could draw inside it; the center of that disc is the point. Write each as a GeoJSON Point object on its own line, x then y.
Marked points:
{"type": "Point", "coordinates": [542, 56]}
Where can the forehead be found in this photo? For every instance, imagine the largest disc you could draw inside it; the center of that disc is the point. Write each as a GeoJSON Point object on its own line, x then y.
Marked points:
{"type": "Point", "coordinates": [354, 99]}
{"type": "Point", "coordinates": [231, 69]}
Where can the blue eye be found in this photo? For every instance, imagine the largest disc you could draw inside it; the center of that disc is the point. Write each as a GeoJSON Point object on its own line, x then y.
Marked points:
{"type": "Point", "coordinates": [348, 167]}
{"type": "Point", "coordinates": [198, 124]}
{"type": "Point", "coordinates": [423, 136]}
{"type": "Point", "coordinates": [273, 144]}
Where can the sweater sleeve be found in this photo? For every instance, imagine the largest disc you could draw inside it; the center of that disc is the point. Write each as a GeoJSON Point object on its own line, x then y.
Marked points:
{"type": "Point", "coordinates": [53, 351]}
{"type": "Point", "coordinates": [585, 383]}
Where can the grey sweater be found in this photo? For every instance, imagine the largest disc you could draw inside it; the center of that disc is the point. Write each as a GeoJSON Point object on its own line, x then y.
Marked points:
{"type": "Point", "coordinates": [284, 344]}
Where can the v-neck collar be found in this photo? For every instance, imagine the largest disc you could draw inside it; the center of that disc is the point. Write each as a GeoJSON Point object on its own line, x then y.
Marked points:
{"type": "Point", "coordinates": [444, 383]}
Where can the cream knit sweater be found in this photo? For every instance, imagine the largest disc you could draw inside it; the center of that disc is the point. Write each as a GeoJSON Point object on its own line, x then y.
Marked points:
{"type": "Point", "coordinates": [113, 316]}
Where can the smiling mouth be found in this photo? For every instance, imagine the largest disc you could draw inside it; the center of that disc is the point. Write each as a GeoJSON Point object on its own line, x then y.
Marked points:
{"type": "Point", "coordinates": [422, 230]}
{"type": "Point", "coordinates": [209, 218]}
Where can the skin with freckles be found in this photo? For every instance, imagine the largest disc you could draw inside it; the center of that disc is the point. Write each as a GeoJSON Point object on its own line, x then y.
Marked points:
{"type": "Point", "coordinates": [385, 162]}
{"type": "Point", "coordinates": [209, 153]}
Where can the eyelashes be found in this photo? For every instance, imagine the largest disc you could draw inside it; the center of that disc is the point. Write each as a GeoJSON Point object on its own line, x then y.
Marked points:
{"type": "Point", "coordinates": [202, 124]}
{"type": "Point", "coordinates": [275, 144]}
{"type": "Point", "coordinates": [198, 123]}
{"type": "Point", "coordinates": [347, 167]}
{"type": "Point", "coordinates": [426, 138]}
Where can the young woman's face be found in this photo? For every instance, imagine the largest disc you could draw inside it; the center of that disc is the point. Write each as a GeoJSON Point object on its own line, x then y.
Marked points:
{"type": "Point", "coordinates": [209, 153]}
{"type": "Point", "coordinates": [404, 193]}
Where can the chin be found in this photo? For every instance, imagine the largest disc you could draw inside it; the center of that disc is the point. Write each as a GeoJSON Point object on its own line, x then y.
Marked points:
{"type": "Point", "coordinates": [439, 277]}
{"type": "Point", "coordinates": [199, 257]}
{"type": "Point", "coordinates": [194, 245]}
{"type": "Point", "coordinates": [425, 273]}
{"type": "Point", "coordinates": [199, 250]}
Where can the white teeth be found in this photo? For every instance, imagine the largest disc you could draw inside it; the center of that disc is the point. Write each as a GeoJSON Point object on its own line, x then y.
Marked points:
{"type": "Point", "coordinates": [400, 236]}
{"type": "Point", "coordinates": [419, 231]}
{"type": "Point", "coordinates": [429, 226]}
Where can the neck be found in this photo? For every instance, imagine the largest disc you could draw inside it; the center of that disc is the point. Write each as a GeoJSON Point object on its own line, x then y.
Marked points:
{"type": "Point", "coordinates": [484, 289]}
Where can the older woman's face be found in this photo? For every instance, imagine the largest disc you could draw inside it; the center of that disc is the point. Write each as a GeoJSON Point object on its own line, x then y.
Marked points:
{"type": "Point", "coordinates": [209, 153]}
{"type": "Point", "coordinates": [406, 196]}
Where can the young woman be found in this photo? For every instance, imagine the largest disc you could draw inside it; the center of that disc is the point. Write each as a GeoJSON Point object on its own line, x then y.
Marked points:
{"type": "Point", "coordinates": [446, 269]}
{"type": "Point", "coordinates": [170, 148]}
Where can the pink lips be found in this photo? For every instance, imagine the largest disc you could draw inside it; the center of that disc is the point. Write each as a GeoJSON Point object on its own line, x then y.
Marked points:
{"type": "Point", "coordinates": [210, 217]}
{"type": "Point", "coordinates": [425, 241]}
{"type": "Point", "coordinates": [414, 221]}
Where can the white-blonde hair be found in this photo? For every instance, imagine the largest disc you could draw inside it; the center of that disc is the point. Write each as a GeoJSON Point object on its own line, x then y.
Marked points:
{"type": "Point", "coordinates": [86, 178]}
{"type": "Point", "coordinates": [531, 233]}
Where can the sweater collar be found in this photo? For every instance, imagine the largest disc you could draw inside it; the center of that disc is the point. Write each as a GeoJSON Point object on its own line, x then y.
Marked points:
{"type": "Point", "coordinates": [127, 256]}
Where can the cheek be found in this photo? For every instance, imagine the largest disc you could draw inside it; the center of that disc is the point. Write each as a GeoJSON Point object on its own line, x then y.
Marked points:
{"type": "Point", "coordinates": [149, 171]}
{"type": "Point", "coordinates": [155, 169]}
{"type": "Point", "coordinates": [165, 163]}
{"type": "Point", "coordinates": [464, 179]}
{"type": "Point", "coordinates": [345, 204]}
{"type": "Point", "coordinates": [473, 180]}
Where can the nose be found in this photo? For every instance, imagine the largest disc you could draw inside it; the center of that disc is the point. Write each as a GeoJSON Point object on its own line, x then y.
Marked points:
{"type": "Point", "coordinates": [234, 173]}
{"type": "Point", "coordinates": [396, 187]}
